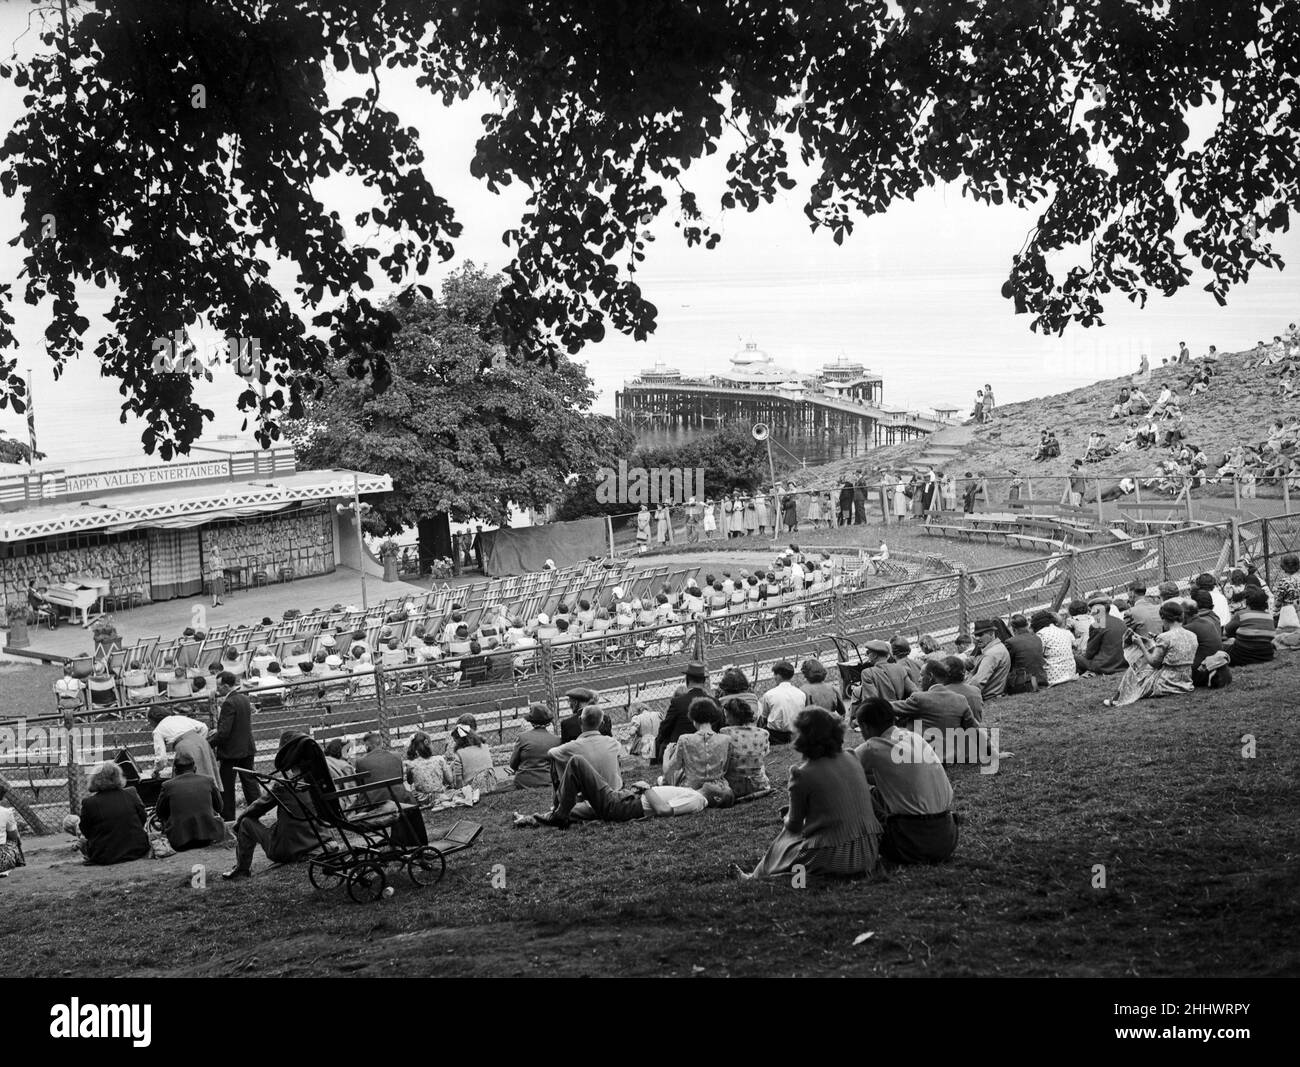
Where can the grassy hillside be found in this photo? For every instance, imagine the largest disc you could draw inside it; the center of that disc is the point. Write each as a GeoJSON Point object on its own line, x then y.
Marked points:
{"type": "Point", "coordinates": [1236, 409]}
{"type": "Point", "coordinates": [1199, 842]}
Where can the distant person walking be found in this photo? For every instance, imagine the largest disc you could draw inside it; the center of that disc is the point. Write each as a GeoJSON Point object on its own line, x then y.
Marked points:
{"type": "Point", "coordinates": [642, 529]}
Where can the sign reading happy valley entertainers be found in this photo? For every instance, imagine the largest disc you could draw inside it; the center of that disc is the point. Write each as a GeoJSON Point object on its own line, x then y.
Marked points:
{"type": "Point", "coordinates": [140, 477]}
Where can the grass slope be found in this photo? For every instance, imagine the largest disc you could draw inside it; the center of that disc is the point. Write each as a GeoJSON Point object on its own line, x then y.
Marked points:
{"type": "Point", "coordinates": [1237, 409]}
{"type": "Point", "coordinates": [1201, 848]}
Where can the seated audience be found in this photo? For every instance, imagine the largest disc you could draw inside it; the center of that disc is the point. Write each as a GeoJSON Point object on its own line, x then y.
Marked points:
{"type": "Point", "coordinates": [189, 808]}
{"type": "Point", "coordinates": [910, 791]}
{"type": "Point", "coordinates": [936, 707]}
{"type": "Point", "coordinates": [1162, 665]}
{"type": "Point", "coordinates": [600, 750]}
{"type": "Point", "coordinates": [428, 776]}
{"type": "Point", "coordinates": [378, 764]}
{"type": "Point", "coordinates": [112, 820]}
{"type": "Point", "coordinates": [746, 771]}
{"type": "Point", "coordinates": [881, 676]}
{"type": "Point", "coordinates": [830, 826]}
{"type": "Point", "coordinates": [11, 842]}
{"type": "Point", "coordinates": [780, 704]}
{"type": "Point", "coordinates": [677, 718]}
{"type": "Point", "coordinates": [288, 839]}
{"type": "Point", "coordinates": [1249, 633]}
{"type": "Point", "coordinates": [992, 660]}
{"type": "Point", "coordinates": [645, 725]}
{"type": "Point", "coordinates": [529, 760]}
{"type": "Point", "coordinates": [1203, 624]}
{"type": "Point", "coordinates": [819, 692]}
{"type": "Point", "coordinates": [600, 801]}
{"type": "Point", "coordinates": [1028, 671]}
{"type": "Point", "coordinates": [571, 725]}
{"type": "Point", "coordinates": [471, 761]}
{"type": "Point", "coordinates": [699, 760]}
{"type": "Point", "coordinates": [1058, 648]}
{"type": "Point", "coordinates": [1104, 652]}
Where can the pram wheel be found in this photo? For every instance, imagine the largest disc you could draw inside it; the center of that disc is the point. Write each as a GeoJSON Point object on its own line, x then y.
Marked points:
{"type": "Point", "coordinates": [426, 866]}
{"type": "Point", "coordinates": [324, 874]}
{"type": "Point", "coordinates": [367, 881]}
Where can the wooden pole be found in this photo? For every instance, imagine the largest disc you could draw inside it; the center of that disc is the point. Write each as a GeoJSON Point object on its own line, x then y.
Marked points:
{"type": "Point", "coordinates": [24, 810]}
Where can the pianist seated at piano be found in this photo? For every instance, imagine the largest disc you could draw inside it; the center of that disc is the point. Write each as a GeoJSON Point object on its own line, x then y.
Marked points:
{"type": "Point", "coordinates": [37, 601]}
{"type": "Point", "coordinates": [79, 592]}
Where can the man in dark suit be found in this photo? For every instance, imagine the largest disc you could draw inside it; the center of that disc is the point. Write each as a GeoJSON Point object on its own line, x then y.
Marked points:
{"type": "Point", "coordinates": [233, 743]}
{"type": "Point", "coordinates": [1104, 653]}
{"type": "Point", "coordinates": [189, 808]}
{"type": "Point", "coordinates": [571, 725]}
{"type": "Point", "coordinates": [676, 720]}
{"type": "Point", "coordinates": [380, 765]}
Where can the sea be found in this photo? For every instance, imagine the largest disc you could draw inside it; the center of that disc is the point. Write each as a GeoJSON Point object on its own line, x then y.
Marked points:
{"type": "Point", "coordinates": [935, 336]}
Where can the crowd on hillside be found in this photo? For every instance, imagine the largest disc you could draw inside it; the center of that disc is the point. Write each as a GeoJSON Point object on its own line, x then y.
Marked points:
{"type": "Point", "coordinates": [920, 711]}
{"type": "Point", "coordinates": [1157, 423]}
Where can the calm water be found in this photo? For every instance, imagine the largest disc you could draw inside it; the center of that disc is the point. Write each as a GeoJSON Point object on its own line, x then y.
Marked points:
{"type": "Point", "coordinates": [935, 338]}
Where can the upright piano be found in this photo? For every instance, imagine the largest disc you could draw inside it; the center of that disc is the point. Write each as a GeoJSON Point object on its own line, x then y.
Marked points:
{"type": "Point", "coordinates": [80, 592]}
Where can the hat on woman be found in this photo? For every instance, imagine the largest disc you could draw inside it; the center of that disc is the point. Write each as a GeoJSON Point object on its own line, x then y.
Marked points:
{"type": "Point", "coordinates": [538, 715]}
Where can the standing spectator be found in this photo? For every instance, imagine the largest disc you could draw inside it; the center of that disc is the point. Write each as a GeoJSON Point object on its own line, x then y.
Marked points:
{"type": "Point", "coordinates": [216, 573]}
{"type": "Point", "coordinates": [233, 744]}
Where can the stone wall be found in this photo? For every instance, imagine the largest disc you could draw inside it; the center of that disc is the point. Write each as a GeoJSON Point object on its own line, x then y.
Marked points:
{"type": "Point", "coordinates": [125, 563]}
{"type": "Point", "coordinates": [301, 540]}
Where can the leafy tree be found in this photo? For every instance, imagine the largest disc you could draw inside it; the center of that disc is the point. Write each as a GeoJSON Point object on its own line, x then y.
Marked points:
{"type": "Point", "coordinates": [730, 457]}
{"type": "Point", "coordinates": [171, 149]}
{"type": "Point", "coordinates": [12, 451]}
{"type": "Point", "coordinates": [464, 427]}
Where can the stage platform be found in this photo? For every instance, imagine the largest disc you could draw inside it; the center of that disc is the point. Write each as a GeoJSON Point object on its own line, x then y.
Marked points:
{"type": "Point", "coordinates": [167, 618]}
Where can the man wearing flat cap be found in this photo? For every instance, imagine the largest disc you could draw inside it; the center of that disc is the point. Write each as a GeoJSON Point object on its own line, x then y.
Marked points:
{"type": "Point", "coordinates": [1104, 653]}
{"type": "Point", "coordinates": [571, 725]}
{"type": "Point", "coordinates": [676, 720]}
{"type": "Point", "coordinates": [883, 677]}
{"type": "Point", "coordinates": [992, 662]}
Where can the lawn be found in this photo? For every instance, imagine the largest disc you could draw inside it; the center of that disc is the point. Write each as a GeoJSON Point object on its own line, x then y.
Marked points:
{"type": "Point", "coordinates": [1200, 845]}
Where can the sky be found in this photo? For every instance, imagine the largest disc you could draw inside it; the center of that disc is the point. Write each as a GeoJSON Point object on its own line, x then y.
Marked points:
{"type": "Point", "coordinates": [913, 293]}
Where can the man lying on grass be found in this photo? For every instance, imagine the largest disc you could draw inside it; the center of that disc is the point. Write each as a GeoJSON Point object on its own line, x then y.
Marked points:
{"type": "Point", "coordinates": [599, 801]}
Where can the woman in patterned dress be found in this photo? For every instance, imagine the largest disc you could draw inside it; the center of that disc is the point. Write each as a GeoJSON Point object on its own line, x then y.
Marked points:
{"type": "Point", "coordinates": [1159, 666]}
{"type": "Point", "coordinates": [746, 763]}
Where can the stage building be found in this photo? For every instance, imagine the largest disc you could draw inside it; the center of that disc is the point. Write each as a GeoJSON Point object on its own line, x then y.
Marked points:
{"type": "Point", "coordinates": [113, 534]}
